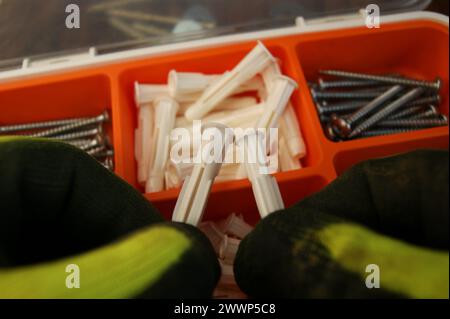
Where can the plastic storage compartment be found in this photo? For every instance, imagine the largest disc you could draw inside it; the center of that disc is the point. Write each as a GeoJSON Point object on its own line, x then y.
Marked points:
{"type": "Point", "coordinates": [417, 48]}
{"type": "Point", "coordinates": [54, 98]}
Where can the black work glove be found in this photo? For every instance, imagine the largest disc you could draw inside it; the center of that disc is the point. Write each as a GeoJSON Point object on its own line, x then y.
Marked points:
{"type": "Point", "coordinates": [383, 219]}
{"type": "Point", "coordinates": [58, 206]}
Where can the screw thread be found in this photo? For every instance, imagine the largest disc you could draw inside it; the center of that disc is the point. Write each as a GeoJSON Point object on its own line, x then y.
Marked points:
{"type": "Point", "coordinates": [417, 123]}
{"type": "Point", "coordinates": [406, 112]}
{"type": "Point", "coordinates": [430, 113]}
{"type": "Point", "coordinates": [78, 143]}
{"type": "Point", "coordinates": [386, 79]}
{"type": "Point", "coordinates": [96, 150]}
{"type": "Point", "coordinates": [77, 135]}
{"type": "Point", "coordinates": [38, 125]}
{"type": "Point", "coordinates": [354, 105]}
{"type": "Point", "coordinates": [380, 132]}
{"type": "Point", "coordinates": [374, 104]}
{"type": "Point", "coordinates": [346, 95]}
{"type": "Point", "coordinates": [61, 129]}
{"type": "Point", "coordinates": [345, 84]}
{"type": "Point", "coordinates": [386, 111]}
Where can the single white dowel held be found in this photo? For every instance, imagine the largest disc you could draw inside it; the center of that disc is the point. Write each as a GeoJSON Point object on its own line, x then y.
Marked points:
{"type": "Point", "coordinates": [265, 188]}
{"type": "Point", "coordinates": [290, 129]}
{"type": "Point", "coordinates": [277, 100]}
{"type": "Point", "coordinates": [143, 141]}
{"type": "Point", "coordinates": [165, 112]}
{"type": "Point", "coordinates": [253, 63]}
{"type": "Point", "coordinates": [148, 93]}
{"type": "Point", "coordinates": [196, 187]}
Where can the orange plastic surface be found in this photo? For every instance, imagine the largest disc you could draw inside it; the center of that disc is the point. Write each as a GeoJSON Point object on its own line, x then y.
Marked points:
{"type": "Point", "coordinates": [416, 48]}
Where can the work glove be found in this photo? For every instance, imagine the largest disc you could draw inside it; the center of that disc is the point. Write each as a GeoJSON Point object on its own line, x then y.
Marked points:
{"type": "Point", "coordinates": [66, 221]}
{"type": "Point", "coordinates": [379, 230]}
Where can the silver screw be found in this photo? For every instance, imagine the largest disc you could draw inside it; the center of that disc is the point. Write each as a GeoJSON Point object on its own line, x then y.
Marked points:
{"type": "Point", "coordinates": [431, 112]}
{"type": "Point", "coordinates": [408, 112]}
{"type": "Point", "coordinates": [324, 85]}
{"type": "Point", "coordinates": [39, 125]}
{"type": "Point", "coordinates": [435, 85]}
{"type": "Point", "coordinates": [386, 111]}
{"type": "Point", "coordinates": [324, 108]}
{"type": "Point", "coordinates": [343, 126]}
{"type": "Point", "coordinates": [79, 134]}
{"type": "Point", "coordinates": [317, 95]}
{"type": "Point", "coordinates": [99, 140]}
{"type": "Point", "coordinates": [417, 123]}
{"type": "Point", "coordinates": [104, 117]}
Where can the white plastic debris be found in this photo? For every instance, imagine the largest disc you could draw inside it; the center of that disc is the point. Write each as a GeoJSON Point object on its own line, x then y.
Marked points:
{"type": "Point", "coordinates": [235, 226]}
{"type": "Point", "coordinates": [165, 111]}
{"type": "Point", "coordinates": [196, 187]}
{"type": "Point", "coordinates": [253, 63]}
{"type": "Point", "coordinates": [228, 249]}
{"type": "Point", "coordinates": [265, 188]}
{"type": "Point", "coordinates": [227, 277]}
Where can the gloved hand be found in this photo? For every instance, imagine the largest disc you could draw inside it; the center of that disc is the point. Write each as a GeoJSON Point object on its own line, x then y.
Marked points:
{"type": "Point", "coordinates": [391, 212]}
{"type": "Point", "coordinates": [58, 206]}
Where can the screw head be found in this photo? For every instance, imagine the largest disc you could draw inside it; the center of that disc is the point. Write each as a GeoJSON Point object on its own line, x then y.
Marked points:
{"type": "Point", "coordinates": [331, 134]}
{"type": "Point", "coordinates": [340, 125]}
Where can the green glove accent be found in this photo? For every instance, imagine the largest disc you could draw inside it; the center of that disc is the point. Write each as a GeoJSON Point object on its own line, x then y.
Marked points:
{"type": "Point", "coordinates": [315, 250]}
{"type": "Point", "coordinates": [134, 266]}
{"type": "Point", "coordinates": [59, 206]}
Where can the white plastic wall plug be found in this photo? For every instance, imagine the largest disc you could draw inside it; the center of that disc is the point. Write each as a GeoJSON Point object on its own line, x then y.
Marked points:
{"type": "Point", "coordinates": [165, 111]}
{"type": "Point", "coordinates": [265, 188]}
{"type": "Point", "coordinates": [196, 187]}
{"type": "Point", "coordinates": [253, 63]}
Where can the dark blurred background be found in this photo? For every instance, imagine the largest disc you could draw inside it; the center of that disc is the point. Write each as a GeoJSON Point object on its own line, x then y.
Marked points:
{"type": "Point", "coordinates": [33, 27]}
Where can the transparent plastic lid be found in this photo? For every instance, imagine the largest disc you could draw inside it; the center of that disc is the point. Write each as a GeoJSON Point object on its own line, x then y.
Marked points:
{"type": "Point", "coordinates": [30, 28]}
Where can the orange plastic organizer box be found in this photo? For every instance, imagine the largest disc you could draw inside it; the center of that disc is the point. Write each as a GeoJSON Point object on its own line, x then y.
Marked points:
{"type": "Point", "coordinates": [414, 48]}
